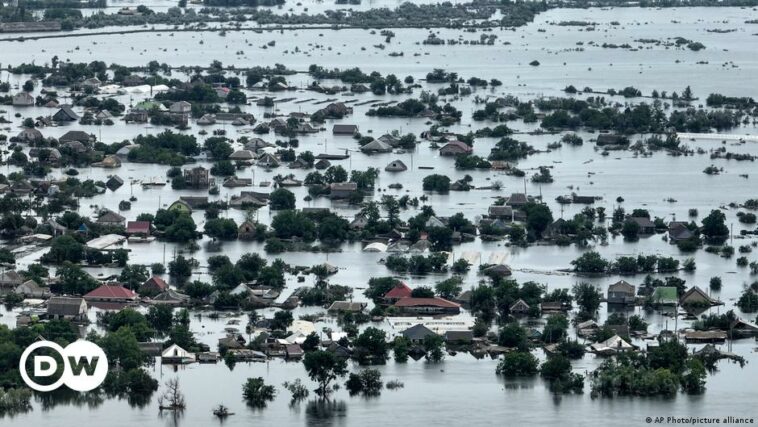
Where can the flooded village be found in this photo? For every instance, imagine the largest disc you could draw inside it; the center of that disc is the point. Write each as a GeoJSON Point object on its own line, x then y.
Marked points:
{"type": "Point", "coordinates": [379, 212]}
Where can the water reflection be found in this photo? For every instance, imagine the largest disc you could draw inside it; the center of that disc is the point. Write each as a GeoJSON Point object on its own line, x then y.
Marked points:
{"type": "Point", "coordinates": [64, 396]}
{"type": "Point", "coordinates": [325, 412]}
{"type": "Point", "coordinates": [171, 418]}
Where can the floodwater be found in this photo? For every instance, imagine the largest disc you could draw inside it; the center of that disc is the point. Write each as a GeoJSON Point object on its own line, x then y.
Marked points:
{"type": "Point", "coordinates": [461, 388]}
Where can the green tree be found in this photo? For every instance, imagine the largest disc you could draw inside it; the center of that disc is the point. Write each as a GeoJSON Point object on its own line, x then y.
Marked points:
{"type": "Point", "coordinates": [401, 348]}
{"type": "Point", "coordinates": [181, 268]}
{"type": "Point", "coordinates": [449, 288]}
{"type": "Point", "coordinates": [436, 182]}
{"type": "Point", "coordinates": [368, 382]}
{"type": "Point", "coordinates": [587, 297]}
{"type": "Point", "coordinates": [512, 335]}
{"type": "Point", "coordinates": [693, 379]}
{"type": "Point", "coordinates": [590, 262]}
{"type": "Point", "coordinates": [555, 367]}
{"type": "Point", "coordinates": [133, 275]}
{"type": "Point", "coordinates": [221, 228]}
{"type": "Point", "coordinates": [518, 364]}
{"type": "Point", "coordinates": [433, 346]}
{"type": "Point", "coordinates": [256, 393]}
{"type": "Point", "coordinates": [160, 317]}
{"type": "Point", "coordinates": [73, 280]}
{"type": "Point", "coordinates": [538, 217]}
{"type": "Point", "coordinates": [122, 348]}
{"type": "Point", "coordinates": [555, 328]}
{"type": "Point", "coordinates": [324, 367]}
{"type": "Point", "coordinates": [183, 229]}
{"type": "Point", "coordinates": [714, 226]}
{"type": "Point", "coordinates": [236, 96]}
{"type": "Point", "coordinates": [371, 346]}
{"type": "Point", "coordinates": [281, 199]}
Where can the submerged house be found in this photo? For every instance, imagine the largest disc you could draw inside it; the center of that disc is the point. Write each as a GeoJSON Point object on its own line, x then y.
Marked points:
{"type": "Point", "coordinates": [347, 307]}
{"type": "Point", "coordinates": [612, 345]}
{"type": "Point", "coordinates": [679, 231]}
{"type": "Point", "coordinates": [197, 177]}
{"type": "Point", "coordinates": [519, 307]}
{"type": "Point", "coordinates": [646, 226]}
{"type": "Point", "coordinates": [77, 136]}
{"type": "Point", "coordinates": [176, 355]}
{"type": "Point", "coordinates": [342, 190]}
{"type": "Point", "coordinates": [154, 285]}
{"type": "Point", "coordinates": [416, 334]}
{"type": "Point", "coordinates": [67, 308]}
{"type": "Point", "coordinates": [111, 218]}
{"type": "Point", "coordinates": [434, 305]}
{"type": "Point", "coordinates": [111, 293]}
{"type": "Point", "coordinates": [401, 290]}
{"type": "Point", "coordinates": [246, 230]}
{"type": "Point", "coordinates": [23, 99]}
{"type": "Point", "coordinates": [376, 146]}
{"type": "Point", "coordinates": [171, 297]}
{"type": "Point", "coordinates": [396, 166]}
{"type": "Point", "coordinates": [31, 289]}
{"type": "Point", "coordinates": [180, 206]}
{"type": "Point", "coordinates": [621, 292]}
{"type": "Point", "coordinates": [9, 280]}
{"type": "Point", "coordinates": [459, 337]}
{"type": "Point", "coordinates": [345, 130]}
{"type": "Point", "coordinates": [138, 228]}
{"type": "Point", "coordinates": [455, 148]}
{"type": "Point", "coordinates": [697, 297]}
{"type": "Point", "coordinates": [65, 114]}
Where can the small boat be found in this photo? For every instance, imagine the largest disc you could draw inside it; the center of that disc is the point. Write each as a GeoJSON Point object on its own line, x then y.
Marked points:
{"type": "Point", "coordinates": [222, 411]}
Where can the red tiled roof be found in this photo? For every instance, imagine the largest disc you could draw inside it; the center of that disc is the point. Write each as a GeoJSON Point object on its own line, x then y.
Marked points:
{"type": "Point", "coordinates": [157, 282]}
{"type": "Point", "coordinates": [415, 302]}
{"type": "Point", "coordinates": [138, 227]}
{"type": "Point", "coordinates": [401, 290]}
{"type": "Point", "coordinates": [111, 291]}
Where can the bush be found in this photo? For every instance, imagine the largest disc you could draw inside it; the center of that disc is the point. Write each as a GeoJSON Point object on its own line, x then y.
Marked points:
{"type": "Point", "coordinates": [368, 382]}
{"type": "Point", "coordinates": [256, 393]}
{"type": "Point", "coordinates": [518, 364]}
{"type": "Point", "coordinates": [439, 183]}
{"type": "Point", "coordinates": [555, 367]}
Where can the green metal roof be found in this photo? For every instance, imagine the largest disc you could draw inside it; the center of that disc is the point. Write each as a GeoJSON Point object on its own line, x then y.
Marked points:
{"type": "Point", "coordinates": [665, 295]}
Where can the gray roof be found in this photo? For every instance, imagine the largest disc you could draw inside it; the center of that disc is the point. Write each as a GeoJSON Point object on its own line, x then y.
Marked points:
{"type": "Point", "coordinates": [622, 286]}
{"type": "Point", "coordinates": [347, 306]}
{"type": "Point", "coordinates": [376, 146]}
{"type": "Point", "coordinates": [518, 198]}
{"type": "Point", "coordinates": [396, 166]}
{"type": "Point", "coordinates": [459, 336]}
{"type": "Point", "coordinates": [75, 135]}
{"type": "Point", "coordinates": [417, 332]}
{"type": "Point", "coordinates": [343, 186]}
{"type": "Point", "coordinates": [110, 216]}
{"type": "Point", "coordinates": [64, 306]}
{"type": "Point", "coordinates": [642, 221]}
{"type": "Point", "coordinates": [10, 278]}
{"type": "Point", "coordinates": [66, 110]}
{"type": "Point", "coordinates": [345, 129]}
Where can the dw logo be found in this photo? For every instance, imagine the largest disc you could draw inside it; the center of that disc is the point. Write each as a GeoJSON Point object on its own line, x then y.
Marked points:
{"type": "Point", "coordinates": [84, 366]}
